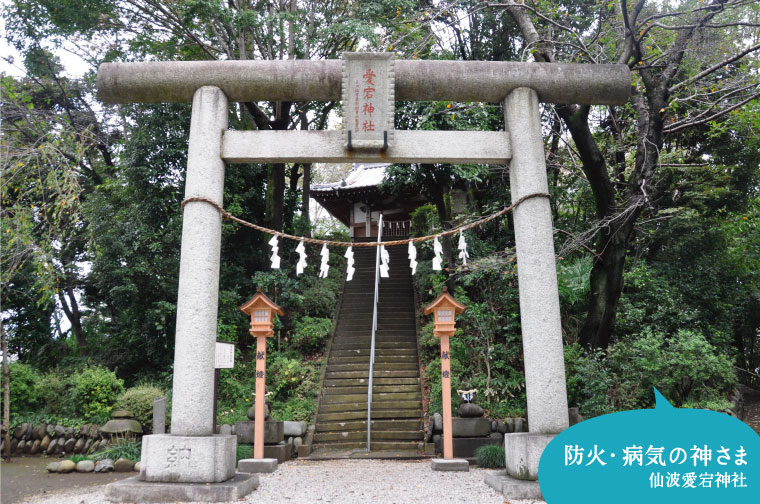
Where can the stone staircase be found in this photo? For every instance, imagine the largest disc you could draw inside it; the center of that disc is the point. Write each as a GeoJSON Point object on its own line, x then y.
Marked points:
{"type": "Point", "coordinates": [396, 401]}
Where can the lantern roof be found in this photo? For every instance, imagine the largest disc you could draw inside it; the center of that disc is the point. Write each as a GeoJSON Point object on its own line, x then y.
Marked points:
{"type": "Point", "coordinates": [260, 300]}
{"type": "Point", "coordinates": [445, 300]}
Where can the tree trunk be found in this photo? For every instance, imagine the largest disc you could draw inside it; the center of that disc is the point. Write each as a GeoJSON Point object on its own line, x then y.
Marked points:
{"type": "Point", "coordinates": [306, 194]}
{"type": "Point", "coordinates": [71, 309]}
{"type": "Point", "coordinates": [275, 198]}
{"type": "Point", "coordinates": [6, 394]}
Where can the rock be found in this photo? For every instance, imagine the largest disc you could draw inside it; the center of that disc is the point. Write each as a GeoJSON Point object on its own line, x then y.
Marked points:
{"type": "Point", "coordinates": [290, 441]}
{"type": "Point", "coordinates": [225, 429]}
{"type": "Point", "coordinates": [469, 410]}
{"type": "Point", "coordinates": [83, 430]}
{"type": "Point", "coordinates": [50, 430]}
{"type": "Point", "coordinates": [51, 446]}
{"type": "Point", "coordinates": [297, 441]}
{"type": "Point", "coordinates": [470, 427]}
{"type": "Point", "coordinates": [493, 425]}
{"type": "Point", "coordinates": [20, 446]}
{"type": "Point", "coordinates": [273, 432]}
{"type": "Point", "coordinates": [105, 465]}
{"type": "Point", "coordinates": [45, 443]}
{"type": "Point", "coordinates": [520, 425]}
{"type": "Point", "coordinates": [137, 466]}
{"type": "Point", "coordinates": [121, 426]}
{"type": "Point", "coordinates": [574, 415]}
{"type": "Point", "coordinates": [93, 447]}
{"type": "Point", "coordinates": [93, 431]}
{"type": "Point", "coordinates": [79, 446]}
{"type": "Point", "coordinates": [294, 429]}
{"type": "Point", "coordinates": [437, 423]}
{"type": "Point", "coordinates": [53, 467]}
{"type": "Point", "coordinates": [60, 430]}
{"type": "Point", "coordinates": [39, 432]}
{"type": "Point", "coordinates": [20, 431]}
{"type": "Point", "coordinates": [121, 414]}
{"type": "Point", "coordinates": [87, 445]}
{"type": "Point", "coordinates": [252, 412]}
{"type": "Point", "coordinates": [496, 435]}
{"type": "Point", "coordinates": [69, 432]}
{"type": "Point", "coordinates": [84, 466]}
{"type": "Point", "coordinates": [68, 445]}
{"type": "Point", "coordinates": [123, 465]}
{"type": "Point", "coordinates": [35, 448]}
{"type": "Point", "coordinates": [437, 440]}
{"type": "Point", "coordinates": [66, 466]}
{"type": "Point", "coordinates": [501, 427]}
{"type": "Point", "coordinates": [60, 444]}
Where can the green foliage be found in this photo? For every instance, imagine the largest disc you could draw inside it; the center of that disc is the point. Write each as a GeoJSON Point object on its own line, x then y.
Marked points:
{"type": "Point", "coordinates": [243, 452]}
{"type": "Point", "coordinates": [684, 367]}
{"type": "Point", "coordinates": [139, 400]}
{"type": "Point", "coordinates": [310, 334]}
{"type": "Point", "coordinates": [295, 409]}
{"type": "Point", "coordinates": [24, 388]}
{"type": "Point", "coordinates": [78, 458]}
{"type": "Point", "coordinates": [94, 392]}
{"type": "Point", "coordinates": [129, 449]}
{"type": "Point", "coordinates": [490, 456]}
{"type": "Point", "coordinates": [573, 279]}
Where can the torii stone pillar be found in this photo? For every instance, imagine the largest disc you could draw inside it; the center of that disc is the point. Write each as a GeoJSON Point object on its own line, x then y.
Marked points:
{"type": "Point", "coordinates": [193, 453]}
{"type": "Point", "coordinates": [539, 297]}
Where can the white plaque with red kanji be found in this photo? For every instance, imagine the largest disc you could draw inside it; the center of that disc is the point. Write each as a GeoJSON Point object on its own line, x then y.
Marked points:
{"type": "Point", "coordinates": [368, 100]}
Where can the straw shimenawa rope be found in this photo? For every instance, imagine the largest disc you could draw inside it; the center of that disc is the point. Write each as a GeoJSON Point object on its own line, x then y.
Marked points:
{"type": "Point", "coordinates": [306, 239]}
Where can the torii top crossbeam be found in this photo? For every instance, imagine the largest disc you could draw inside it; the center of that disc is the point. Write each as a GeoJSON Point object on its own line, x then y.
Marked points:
{"type": "Point", "coordinates": [293, 80]}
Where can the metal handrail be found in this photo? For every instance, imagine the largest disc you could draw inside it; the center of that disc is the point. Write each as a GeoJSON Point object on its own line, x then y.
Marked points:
{"type": "Point", "coordinates": [374, 329]}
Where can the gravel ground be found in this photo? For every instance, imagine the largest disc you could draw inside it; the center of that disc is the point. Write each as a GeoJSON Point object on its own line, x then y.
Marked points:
{"type": "Point", "coordinates": [346, 482]}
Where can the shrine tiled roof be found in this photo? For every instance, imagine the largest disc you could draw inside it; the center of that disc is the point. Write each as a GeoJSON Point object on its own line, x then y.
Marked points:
{"type": "Point", "coordinates": [362, 175]}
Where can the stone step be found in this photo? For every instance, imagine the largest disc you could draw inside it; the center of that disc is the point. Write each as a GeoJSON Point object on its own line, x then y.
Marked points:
{"type": "Point", "coordinates": [376, 405]}
{"type": "Point", "coordinates": [353, 382]}
{"type": "Point", "coordinates": [379, 366]}
{"type": "Point", "coordinates": [379, 373]}
{"type": "Point", "coordinates": [385, 345]}
{"type": "Point", "coordinates": [362, 398]}
{"type": "Point", "coordinates": [378, 352]}
{"type": "Point", "coordinates": [377, 414]}
{"type": "Point", "coordinates": [375, 446]}
{"type": "Point", "coordinates": [364, 359]}
{"type": "Point", "coordinates": [356, 425]}
{"type": "Point", "coordinates": [378, 389]}
{"type": "Point", "coordinates": [320, 437]}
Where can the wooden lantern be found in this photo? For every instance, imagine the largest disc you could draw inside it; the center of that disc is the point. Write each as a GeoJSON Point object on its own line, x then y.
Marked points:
{"type": "Point", "coordinates": [445, 309]}
{"type": "Point", "coordinates": [262, 311]}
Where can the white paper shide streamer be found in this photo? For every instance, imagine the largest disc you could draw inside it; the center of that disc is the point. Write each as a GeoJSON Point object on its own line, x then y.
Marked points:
{"type": "Point", "coordinates": [349, 255]}
{"type": "Point", "coordinates": [324, 267]}
{"type": "Point", "coordinates": [384, 260]}
{"type": "Point", "coordinates": [463, 254]}
{"type": "Point", "coordinates": [302, 260]}
{"type": "Point", "coordinates": [412, 257]}
{"type": "Point", "coordinates": [438, 250]}
{"type": "Point", "coordinates": [275, 253]}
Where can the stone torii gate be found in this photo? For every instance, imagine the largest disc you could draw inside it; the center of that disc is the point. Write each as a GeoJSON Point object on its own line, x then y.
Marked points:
{"type": "Point", "coordinates": [193, 454]}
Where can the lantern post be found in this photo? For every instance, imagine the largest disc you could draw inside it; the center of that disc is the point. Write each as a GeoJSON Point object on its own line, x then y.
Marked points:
{"type": "Point", "coordinates": [261, 310]}
{"type": "Point", "coordinates": [445, 309]}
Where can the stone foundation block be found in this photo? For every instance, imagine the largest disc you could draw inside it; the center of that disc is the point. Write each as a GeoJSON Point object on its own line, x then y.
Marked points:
{"type": "Point", "coordinates": [465, 447]}
{"type": "Point", "coordinates": [439, 464]}
{"type": "Point", "coordinates": [512, 488]}
{"type": "Point", "coordinates": [188, 459]}
{"type": "Point", "coordinates": [470, 427]}
{"type": "Point", "coordinates": [522, 452]}
{"type": "Point", "coordinates": [134, 490]}
{"type": "Point", "coordinates": [265, 465]}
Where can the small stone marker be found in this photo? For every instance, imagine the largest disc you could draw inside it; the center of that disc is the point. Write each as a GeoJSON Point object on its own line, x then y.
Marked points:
{"type": "Point", "coordinates": [262, 465]}
{"type": "Point", "coordinates": [159, 415]}
{"type": "Point", "coordinates": [368, 93]}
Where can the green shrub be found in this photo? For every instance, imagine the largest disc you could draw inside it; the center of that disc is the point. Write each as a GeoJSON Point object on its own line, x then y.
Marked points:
{"type": "Point", "coordinates": [490, 456]}
{"type": "Point", "coordinates": [78, 458]}
{"type": "Point", "coordinates": [24, 381]}
{"type": "Point", "coordinates": [129, 449]}
{"type": "Point", "coordinates": [310, 334]}
{"type": "Point", "coordinates": [244, 452]}
{"type": "Point", "coordinates": [319, 299]}
{"type": "Point", "coordinates": [54, 389]}
{"type": "Point", "coordinates": [139, 400]}
{"type": "Point", "coordinates": [295, 409]}
{"type": "Point", "coordinates": [94, 392]}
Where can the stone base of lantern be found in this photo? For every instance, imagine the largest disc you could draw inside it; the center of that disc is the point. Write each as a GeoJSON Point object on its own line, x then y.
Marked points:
{"type": "Point", "coordinates": [188, 459]}
{"type": "Point", "coordinates": [135, 490]}
{"type": "Point", "coordinates": [513, 488]}
{"type": "Point", "coordinates": [265, 465]}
